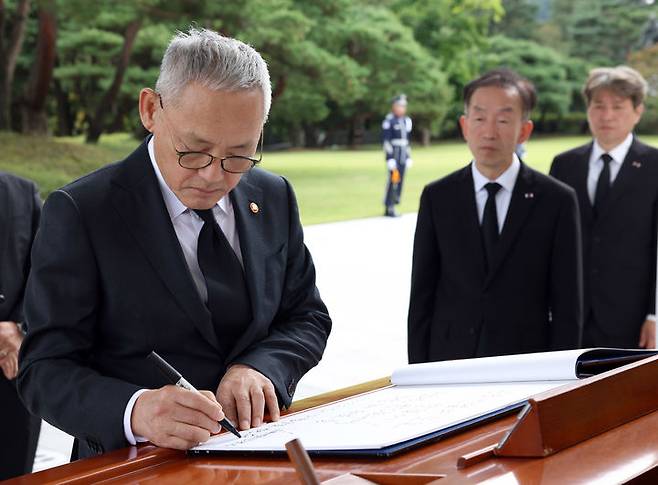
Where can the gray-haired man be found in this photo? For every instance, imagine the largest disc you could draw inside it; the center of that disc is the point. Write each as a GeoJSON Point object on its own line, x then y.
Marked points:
{"type": "Point", "coordinates": [183, 249]}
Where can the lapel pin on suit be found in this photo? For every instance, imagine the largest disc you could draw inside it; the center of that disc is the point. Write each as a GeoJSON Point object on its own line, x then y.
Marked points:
{"type": "Point", "coordinates": [637, 164]}
{"type": "Point", "coordinates": [253, 207]}
{"type": "Point", "coordinates": [529, 195]}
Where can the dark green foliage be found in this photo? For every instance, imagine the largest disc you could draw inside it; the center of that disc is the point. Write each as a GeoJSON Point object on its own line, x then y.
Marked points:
{"type": "Point", "coordinates": [335, 64]}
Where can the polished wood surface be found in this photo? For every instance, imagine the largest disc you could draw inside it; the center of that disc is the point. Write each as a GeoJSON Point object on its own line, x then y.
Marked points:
{"type": "Point", "coordinates": [554, 420]}
{"type": "Point", "coordinates": [628, 453]}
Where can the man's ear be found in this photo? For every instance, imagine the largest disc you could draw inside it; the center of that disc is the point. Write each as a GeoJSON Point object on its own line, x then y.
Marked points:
{"type": "Point", "coordinates": [639, 111]}
{"type": "Point", "coordinates": [526, 131]}
{"type": "Point", "coordinates": [148, 103]}
{"type": "Point", "coordinates": [462, 125]}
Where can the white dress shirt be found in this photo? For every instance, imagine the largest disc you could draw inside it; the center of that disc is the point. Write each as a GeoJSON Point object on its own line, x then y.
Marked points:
{"type": "Point", "coordinates": [187, 225]}
{"type": "Point", "coordinates": [618, 155]}
{"type": "Point", "coordinates": [503, 197]}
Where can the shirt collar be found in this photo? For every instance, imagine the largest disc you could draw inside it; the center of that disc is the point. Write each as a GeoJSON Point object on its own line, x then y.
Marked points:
{"type": "Point", "coordinates": [174, 206]}
{"type": "Point", "coordinates": [507, 179]}
{"type": "Point", "coordinates": [618, 153]}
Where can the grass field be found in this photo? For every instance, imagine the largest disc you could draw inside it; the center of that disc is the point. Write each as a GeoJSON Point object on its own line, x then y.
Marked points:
{"type": "Point", "coordinates": [331, 185]}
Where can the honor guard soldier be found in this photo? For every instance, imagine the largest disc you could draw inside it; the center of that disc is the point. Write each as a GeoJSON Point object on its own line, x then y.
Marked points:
{"type": "Point", "coordinates": [396, 128]}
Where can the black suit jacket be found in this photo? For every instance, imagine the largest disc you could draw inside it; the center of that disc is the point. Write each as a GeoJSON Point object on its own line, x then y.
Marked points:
{"type": "Point", "coordinates": [530, 300]}
{"type": "Point", "coordinates": [109, 284]}
{"type": "Point", "coordinates": [619, 247]}
{"type": "Point", "coordinates": [20, 208]}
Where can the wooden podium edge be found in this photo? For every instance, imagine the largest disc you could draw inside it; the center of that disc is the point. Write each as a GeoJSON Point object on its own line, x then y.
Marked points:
{"type": "Point", "coordinates": [331, 396]}
{"type": "Point", "coordinates": [560, 418]}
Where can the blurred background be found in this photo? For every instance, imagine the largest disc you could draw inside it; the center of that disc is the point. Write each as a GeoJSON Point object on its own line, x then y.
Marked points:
{"type": "Point", "coordinates": [70, 72]}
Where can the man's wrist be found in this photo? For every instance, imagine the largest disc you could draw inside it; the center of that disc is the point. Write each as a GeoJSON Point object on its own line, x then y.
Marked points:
{"type": "Point", "coordinates": [127, 416]}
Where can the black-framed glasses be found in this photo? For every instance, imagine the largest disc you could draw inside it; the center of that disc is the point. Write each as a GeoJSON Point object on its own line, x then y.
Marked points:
{"type": "Point", "coordinates": [199, 160]}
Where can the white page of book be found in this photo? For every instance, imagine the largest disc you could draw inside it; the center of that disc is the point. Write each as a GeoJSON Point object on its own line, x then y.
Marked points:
{"type": "Point", "coordinates": [541, 366]}
{"type": "Point", "coordinates": [380, 418]}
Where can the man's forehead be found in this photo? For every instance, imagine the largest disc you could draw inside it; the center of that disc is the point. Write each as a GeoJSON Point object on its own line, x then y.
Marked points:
{"type": "Point", "coordinates": [499, 109]}
{"type": "Point", "coordinates": [503, 98]}
{"type": "Point", "coordinates": [196, 138]}
{"type": "Point", "coordinates": [601, 94]}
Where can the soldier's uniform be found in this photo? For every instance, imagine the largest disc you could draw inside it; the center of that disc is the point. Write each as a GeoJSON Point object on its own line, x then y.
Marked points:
{"type": "Point", "coordinates": [395, 137]}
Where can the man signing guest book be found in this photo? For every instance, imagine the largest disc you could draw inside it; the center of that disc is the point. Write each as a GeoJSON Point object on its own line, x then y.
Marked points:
{"type": "Point", "coordinates": [183, 248]}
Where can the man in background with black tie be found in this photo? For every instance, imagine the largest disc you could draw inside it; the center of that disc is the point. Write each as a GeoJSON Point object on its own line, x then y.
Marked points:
{"type": "Point", "coordinates": [183, 248]}
{"type": "Point", "coordinates": [616, 178]}
{"type": "Point", "coordinates": [496, 266]}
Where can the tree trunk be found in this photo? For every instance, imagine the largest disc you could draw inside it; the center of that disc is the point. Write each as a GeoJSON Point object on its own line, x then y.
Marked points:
{"type": "Point", "coordinates": [426, 136]}
{"type": "Point", "coordinates": [355, 137]}
{"type": "Point", "coordinates": [9, 50]}
{"type": "Point", "coordinates": [108, 102]}
{"type": "Point", "coordinates": [64, 115]}
{"type": "Point", "coordinates": [33, 109]}
{"type": "Point", "coordinates": [312, 136]}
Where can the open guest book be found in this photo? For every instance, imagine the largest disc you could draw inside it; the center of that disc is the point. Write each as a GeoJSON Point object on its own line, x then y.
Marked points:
{"type": "Point", "coordinates": [425, 402]}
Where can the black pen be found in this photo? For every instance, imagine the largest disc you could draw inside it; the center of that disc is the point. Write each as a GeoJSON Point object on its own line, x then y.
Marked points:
{"type": "Point", "coordinates": [177, 379]}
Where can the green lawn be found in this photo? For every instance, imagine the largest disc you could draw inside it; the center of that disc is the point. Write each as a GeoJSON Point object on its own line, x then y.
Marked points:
{"type": "Point", "coordinates": [331, 185]}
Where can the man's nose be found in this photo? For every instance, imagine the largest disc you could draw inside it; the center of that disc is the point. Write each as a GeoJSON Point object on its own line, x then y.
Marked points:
{"type": "Point", "coordinates": [490, 129]}
{"type": "Point", "coordinates": [608, 114]}
{"type": "Point", "coordinates": [212, 172]}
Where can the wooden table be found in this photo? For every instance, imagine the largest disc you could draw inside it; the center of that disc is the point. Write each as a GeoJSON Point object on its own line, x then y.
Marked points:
{"type": "Point", "coordinates": [628, 453]}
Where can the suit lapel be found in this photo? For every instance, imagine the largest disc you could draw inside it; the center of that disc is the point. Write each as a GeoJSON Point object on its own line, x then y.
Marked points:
{"type": "Point", "coordinates": [631, 170]}
{"type": "Point", "coordinates": [139, 202]}
{"type": "Point", "coordinates": [253, 245]}
{"type": "Point", "coordinates": [469, 226]}
{"type": "Point", "coordinates": [523, 200]}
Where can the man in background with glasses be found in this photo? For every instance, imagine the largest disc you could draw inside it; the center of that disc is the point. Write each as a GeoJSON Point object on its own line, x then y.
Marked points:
{"type": "Point", "coordinates": [183, 248]}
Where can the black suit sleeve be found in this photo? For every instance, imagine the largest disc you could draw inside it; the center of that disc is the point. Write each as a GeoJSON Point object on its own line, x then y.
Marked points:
{"type": "Point", "coordinates": [424, 277]}
{"type": "Point", "coordinates": [300, 329]}
{"type": "Point", "coordinates": [654, 249]}
{"type": "Point", "coordinates": [56, 360]}
{"type": "Point", "coordinates": [16, 314]}
{"type": "Point", "coordinates": [566, 280]}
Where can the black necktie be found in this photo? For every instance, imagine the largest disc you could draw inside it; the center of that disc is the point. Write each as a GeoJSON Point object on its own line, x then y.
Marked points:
{"type": "Point", "coordinates": [490, 223]}
{"type": "Point", "coordinates": [228, 297]}
{"type": "Point", "coordinates": [602, 185]}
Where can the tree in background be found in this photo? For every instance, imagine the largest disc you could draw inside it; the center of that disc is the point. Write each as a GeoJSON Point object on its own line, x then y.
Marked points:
{"type": "Point", "coordinates": [34, 118]}
{"type": "Point", "coordinates": [335, 64]}
{"type": "Point", "coordinates": [310, 74]}
{"type": "Point", "coordinates": [603, 32]}
{"type": "Point", "coordinates": [392, 62]}
{"type": "Point", "coordinates": [557, 78]}
{"type": "Point", "coordinates": [519, 20]}
{"type": "Point", "coordinates": [646, 62]}
{"type": "Point", "coordinates": [13, 22]}
{"type": "Point", "coordinates": [454, 32]}
{"type": "Point", "coordinates": [95, 52]}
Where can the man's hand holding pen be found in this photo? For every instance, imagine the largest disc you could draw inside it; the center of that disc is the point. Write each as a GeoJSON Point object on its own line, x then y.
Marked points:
{"type": "Point", "coordinates": [172, 417]}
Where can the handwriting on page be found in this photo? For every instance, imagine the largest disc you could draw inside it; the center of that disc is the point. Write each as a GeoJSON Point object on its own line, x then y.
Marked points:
{"type": "Point", "coordinates": [380, 418]}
